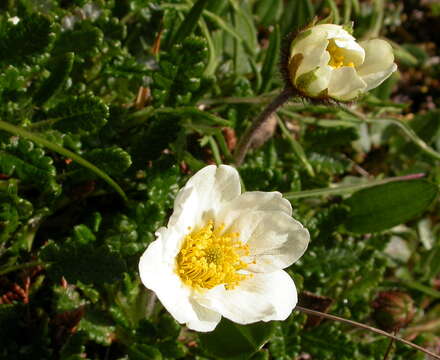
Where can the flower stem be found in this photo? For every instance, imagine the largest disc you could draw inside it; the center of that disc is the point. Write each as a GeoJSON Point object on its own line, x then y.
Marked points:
{"type": "Point", "coordinates": [389, 348]}
{"type": "Point", "coordinates": [348, 189]}
{"type": "Point", "coordinates": [248, 136]}
{"type": "Point", "coordinates": [16, 130]}
{"type": "Point", "coordinates": [16, 267]}
{"type": "Point", "coordinates": [409, 132]}
{"type": "Point", "coordinates": [365, 327]}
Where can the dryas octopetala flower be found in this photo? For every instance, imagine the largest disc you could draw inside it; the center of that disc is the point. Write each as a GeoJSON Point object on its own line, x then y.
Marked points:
{"type": "Point", "coordinates": [325, 61]}
{"type": "Point", "coordinates": [222, 253]}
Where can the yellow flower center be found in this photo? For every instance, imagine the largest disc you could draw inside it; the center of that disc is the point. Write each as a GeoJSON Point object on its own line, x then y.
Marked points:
{"type": "Point", "coordinates": [208, 259]}
{"type": "Point", "coordinates": [337, 58]}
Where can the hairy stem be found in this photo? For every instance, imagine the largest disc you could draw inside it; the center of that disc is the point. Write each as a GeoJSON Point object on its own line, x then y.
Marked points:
{"type": "Point", "coordinates": [365, 327]}
{"type": "Point", "coordinates": [248, 136]}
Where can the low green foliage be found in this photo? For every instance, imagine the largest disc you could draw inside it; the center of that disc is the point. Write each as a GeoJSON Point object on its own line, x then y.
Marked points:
{"type": "Point", "coordinates": [112, 105]}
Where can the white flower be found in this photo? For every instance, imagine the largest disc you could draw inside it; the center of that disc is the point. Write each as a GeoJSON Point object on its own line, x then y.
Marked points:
{"type": "Point", "coordinates": [326, 61]}
{"type": "Point", "coordinates": [14, 20]}
{"type": "Point", "coordinates": [223, 252]}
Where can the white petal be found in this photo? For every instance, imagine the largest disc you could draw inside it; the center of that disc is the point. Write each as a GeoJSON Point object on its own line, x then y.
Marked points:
{"type": "Point", "coordinates": [378, 56]}
{"type": "Point", "coordinates": [157, 274]}
{"type": "Point", "coordinates": [204, 195]}
{"type": "Point", "coordinates": [375, 79]}
{"type": "Point", "coordinates": [171, 241]}
{"type": "Point", "coordinates": [379, 62]}
{"type": "Point", "coordinates": [314, 54]}
{"type": "Point", "coordinates": [335, 31]}
{"type": "Point", "coordinates": [275, 239]}
{"type": "Point", "coordinates": [257, 200]}
{"type": "Point", "coordinates": [322, 79]}
{"type": "Point", "coordinates": [264, 297]}
{"type": "Point", "coordinates": [345, 84]}
{"type": "Point", "coordinates": [206, 319]}
{"type": "Point", "coordinates": [307, 39]}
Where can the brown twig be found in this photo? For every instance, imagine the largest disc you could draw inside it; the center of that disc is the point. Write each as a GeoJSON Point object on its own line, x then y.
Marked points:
{"type": "Point", "coordinates": [366, 327]}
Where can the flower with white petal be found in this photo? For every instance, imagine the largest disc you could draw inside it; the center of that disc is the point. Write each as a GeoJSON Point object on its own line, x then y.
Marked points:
{"type": "Point", "coordinates": [14, 20]}
{"type": "Point", "coordinates": [222, 253]}
{"type": "Point", "coordinates": [326, 61]}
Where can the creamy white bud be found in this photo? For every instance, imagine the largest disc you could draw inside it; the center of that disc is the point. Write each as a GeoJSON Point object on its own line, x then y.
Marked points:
{"type": "Point", "coordinates": [326, 61]}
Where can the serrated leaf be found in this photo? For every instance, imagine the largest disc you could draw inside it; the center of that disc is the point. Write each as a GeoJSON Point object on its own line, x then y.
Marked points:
{"type": "Point", "coordinates": [381, 207]}
{"type": "Point", "coordinates": [28, 38]}
{"type": "Point", "coordinates": [66, 299]}
{"type": "Point", "coordinates": [82, 114]}
{"type": "Point", "coordinates": [144, 352]}
{"type": "Point", "coordinates": [234, 341]}
{"type": "Point", "coordinates": [83, 41]}
{"type": "Point", "coordinates": [21, 159]}
{"type": "Point", "coordinates": [113, 160]}
{"type": "Point", "coordinates": [98, 326]}
{"type": "Point", "coordinates": [87, 263]}
{"type": "Point", "coordinates": [59, 68]}
{"type": "Point", "coordinates": [323, 138]}
{"type": "Point", "coordinates": [180, 73]}
{"type": "Point", "coordinates": [12, 79]}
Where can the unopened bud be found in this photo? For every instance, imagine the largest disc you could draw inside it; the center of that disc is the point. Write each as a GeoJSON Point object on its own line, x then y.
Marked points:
{"type": "Point", "coordinates": [325, 61]}
{"type": "Point", "coordinates": [393, 309]}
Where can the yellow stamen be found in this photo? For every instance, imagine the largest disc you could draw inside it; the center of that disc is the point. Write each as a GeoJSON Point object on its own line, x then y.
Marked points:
{"type": "Point", "coordinates": [337, 58]}
{"type": "Point", "coordinates": [208, 259]}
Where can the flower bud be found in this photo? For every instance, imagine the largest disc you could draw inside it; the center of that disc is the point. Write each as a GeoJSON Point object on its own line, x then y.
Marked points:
{"type": "Point", "coordinates": [393, 309]}
{"type": "Point", "coordinates": [326, 61]}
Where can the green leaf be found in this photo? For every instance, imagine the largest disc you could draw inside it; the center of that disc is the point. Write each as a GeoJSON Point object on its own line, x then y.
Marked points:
{"type": "Point", "coordinates": [66, 299]}
{"type": "Point", "coordinates": [324, 138]}
{"type": "Point", "coordinates": [296, 14]}
{"type": "Point", "coordinates": [271, 60]}
{"type": "Point", "coordinates": [113, 160]}
{"type": "Point", "coordinates": [74, 346]}
{"type": "Point", "coordinates": [87, 263]}
{"type": "Point", "coordinates": [190, 22]}
{"type": "Point", "coordinates": [382, 207]}
{"type": "Point", "coordinates": [98, 326]}
{"type": "Point", "coordinates": [84, 41]}
{"type": "Point", "coordinates": [82, 114]}
{"type": "Point", "coordinates": [30, 164]}
{"type": "Point", "coordinates": [59, 149]}
{"type": "Point", "coordinates": [60, 68]}
{"type": "Point", "coordinates": [28, 38]}
{"type": "Point", "coordinates": [269, 11]}
{"type": "Point", "coordinates": [181, 70]}
{"type": "Point", "coordinates": [83, 235]}
{"type": "Point", "coordinates": [234, 341]}
{"type": "Point", "coordinates": [144, 352]}
{"type": "Point", "coordinates": [426, 126]}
